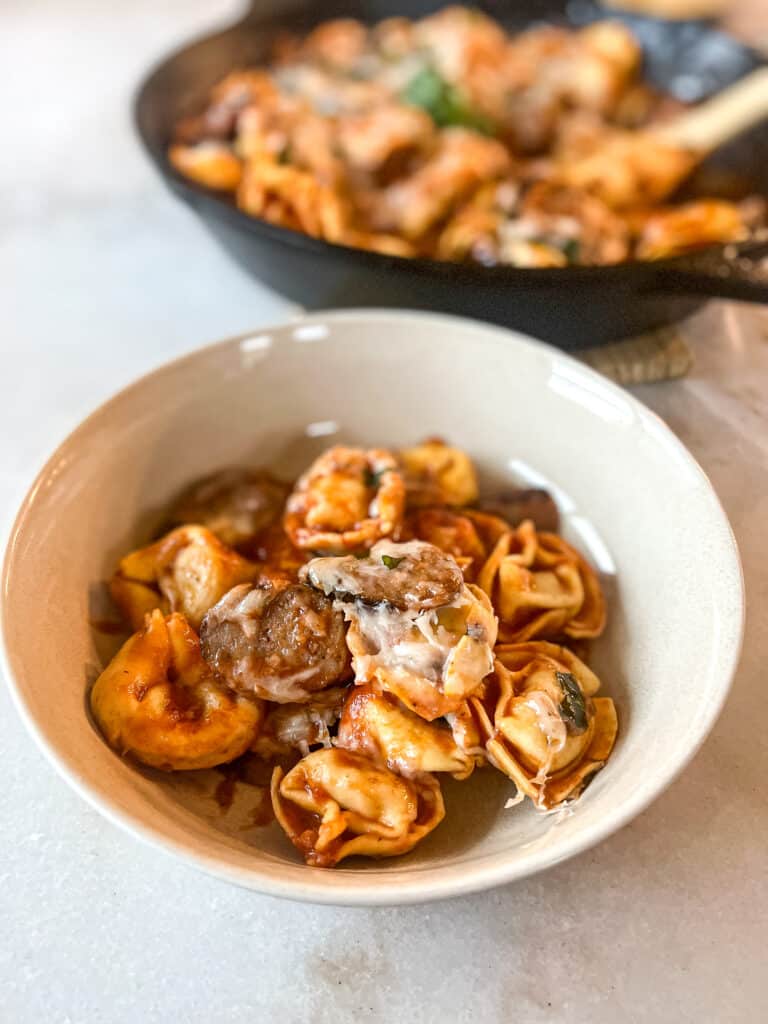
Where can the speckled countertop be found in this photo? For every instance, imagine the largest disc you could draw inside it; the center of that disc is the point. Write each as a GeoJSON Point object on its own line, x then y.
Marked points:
{"type": "Point", "coordinates": [103, 276]}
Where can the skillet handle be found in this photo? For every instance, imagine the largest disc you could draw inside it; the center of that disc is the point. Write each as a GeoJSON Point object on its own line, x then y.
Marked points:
{"type": "Point", "coordinates": [743, 277]}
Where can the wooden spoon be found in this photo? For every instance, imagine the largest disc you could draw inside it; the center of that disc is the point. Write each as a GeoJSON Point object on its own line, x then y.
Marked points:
{"type": "Point", "coordinates": [644, 167]}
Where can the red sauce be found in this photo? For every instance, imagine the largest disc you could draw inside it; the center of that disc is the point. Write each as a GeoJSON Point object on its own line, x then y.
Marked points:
{"type": "Point", "coordinates": [257, 772]}
{"type": "Point", "coordinates": [232, 773]}
{"type": "Point", "coordinates": [279, 559]}
{"type": "Point", "coordinates": [252, 772]}
{"type": "Point", "coordinates": [263, 813]}
{"type": "Point", "coordinates": [108, 626]}
{"type": "Point", "coordinates": [225, 791]}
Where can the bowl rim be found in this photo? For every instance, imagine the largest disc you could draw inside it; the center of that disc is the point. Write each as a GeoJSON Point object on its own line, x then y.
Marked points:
{"type": "Point", "coordinates": [445, 882]}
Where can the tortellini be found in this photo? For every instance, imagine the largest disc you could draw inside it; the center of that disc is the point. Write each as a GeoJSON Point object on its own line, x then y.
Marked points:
{"type": "Point", "coordinates": [159, 701]}
{"type": "Point", "coordinates": [453, 533]}
{"type": "Point", "coordinates": [212, 164]}
{"type": "Point", "coordinates": [278, 560]}
{"type": "Point", "coordinates": [336, 803]}
{"type": "Point", "coordinates": [436, 474]}
{"type": "Point", "coordinates": [186, 571]}
{"type": "Point", "coordinates": [346, 501]}
{"type": "Point", "coordinates": [414, 627]}
{"type": "Point", "coordinates": [235, 504]}
{"type": "Point", "coordinates": [542, 588]}
{"type": "Point", "coordinates": [376, 724]}
{"type": "Point", "coordinates": [377, 626]}
{"type": "Point", "coordinates": [468, 535]}
{"type": "Point", "coordinates": [432, 660]}
{"type": "Point", "coordinates": [512, 505]}
{"type": "Point", "coordinates": [299, 727]}
{"type": "Point", "coordinates": [541, 722]}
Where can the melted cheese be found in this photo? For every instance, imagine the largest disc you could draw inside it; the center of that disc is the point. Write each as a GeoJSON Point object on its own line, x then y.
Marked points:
{"type": "Point", "coordinates": [406, 641]}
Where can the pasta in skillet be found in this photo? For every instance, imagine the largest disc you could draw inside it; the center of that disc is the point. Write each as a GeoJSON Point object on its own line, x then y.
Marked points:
{"type": "Point", "coordinates": [446, 137]}
{"type": "Point", "coordinates": [377, 626]}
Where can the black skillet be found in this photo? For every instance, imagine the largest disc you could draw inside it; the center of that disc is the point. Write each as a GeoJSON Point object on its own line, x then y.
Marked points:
{"type": "Point", "coordinates": [570, 306]}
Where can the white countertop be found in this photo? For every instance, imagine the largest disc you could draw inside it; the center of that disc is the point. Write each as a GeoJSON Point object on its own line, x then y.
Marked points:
{"type": "Point", "coordinates": [102, 276]}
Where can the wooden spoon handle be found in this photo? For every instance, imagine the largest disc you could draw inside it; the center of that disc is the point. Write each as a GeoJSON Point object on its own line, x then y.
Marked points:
{"type": "Point", "coordinates": [717, 120]}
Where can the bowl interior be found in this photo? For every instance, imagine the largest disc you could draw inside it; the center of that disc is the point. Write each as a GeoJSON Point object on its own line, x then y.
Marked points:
{"type": "Point", "coordinates": [628, 491]}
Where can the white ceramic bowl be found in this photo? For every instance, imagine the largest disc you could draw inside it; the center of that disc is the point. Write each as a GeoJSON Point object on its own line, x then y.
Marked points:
{"type": "Point", "coordinates": [629, 493]}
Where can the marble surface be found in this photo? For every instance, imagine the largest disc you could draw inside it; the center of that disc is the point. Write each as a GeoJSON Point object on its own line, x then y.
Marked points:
{"type": "Point", "coordinates": [103, 276]}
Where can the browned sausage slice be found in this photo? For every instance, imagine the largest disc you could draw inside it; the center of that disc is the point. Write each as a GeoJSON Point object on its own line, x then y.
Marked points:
{"type": "Point", "coordinates": [279, 644]}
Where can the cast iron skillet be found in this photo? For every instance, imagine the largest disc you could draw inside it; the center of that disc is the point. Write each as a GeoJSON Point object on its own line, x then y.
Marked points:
{"type": "Point", "coordinates": [570, 306]}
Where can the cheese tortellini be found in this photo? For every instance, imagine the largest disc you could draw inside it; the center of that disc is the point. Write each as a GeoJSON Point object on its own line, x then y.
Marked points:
{"type": "Point", "coordinates": [346, 501]}
{"type": "Point", "coordinates": [159, 701]}
{"type": "Point", "coordinates": [336, 803]}
{"type": "Point", "coordinates": [541, 722]}
{"type": "Point", "coordinates": [295, 727]}
{"type": "Point", "coordinates": [436, 474]}
{"type": "Point", "coordinates": [414, 627]}
{"type": "Point", "coordinates": [186, 571]}
{"type": "Point", "coordinates": [235, 504]}
{"type": "Point", "coordinates": [453, 533]}
{"type": "Point", "coordinates": [378, 725]}
{"type": "Point", "coordinates": [542, 588]}
{"type": "Point", "coordinates": [380, 625]}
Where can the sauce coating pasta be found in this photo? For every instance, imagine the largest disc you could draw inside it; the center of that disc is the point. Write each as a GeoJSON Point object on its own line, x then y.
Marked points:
{"type": "Point", "coordinates": [377, 626]}
{"type": "Point", "coordinates": [448, 138]}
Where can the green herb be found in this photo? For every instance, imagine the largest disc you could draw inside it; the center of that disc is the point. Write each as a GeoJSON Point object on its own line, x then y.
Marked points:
{"type": "Point", "coordinates": [284, 156]}
{"type": "Point", "coordinates": [371, 478]}
{"type": "Point", "coordinates": [390, 562]}
{"type": "Point", "coordinates": [571, 248]}
{"type": "Point", "coordinates": [443, 102]}
{"type": "Point", "coordinates": [572, 709]}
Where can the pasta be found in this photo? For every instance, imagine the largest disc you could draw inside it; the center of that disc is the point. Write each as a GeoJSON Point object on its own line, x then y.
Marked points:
{"type": "Point", "coordinates": [236, 504]}
{"type": "Point", "coordinates": [159, 701]}
{"type": "Point", "coordinates": [374, 627]}
{"type": "Point", "coordinates": [546, 732]}
{"type": "Point", "coordinates": [452, 532]}
{"type": "Point", "coordinates": [299, 726]}
{"type": "Point", "coordinates": [189, 569]}
{"type": "Point", "coordinates": [346, 500]}
{"type": "Point", "coordinates": [445, 137]}
{"type": "Point", "coordinates": [378, 725]}
{"type": "Point", "coordinates": [336, 803]}
{"type": "Point", "coordinates": [542, 587]}
{"type": "Point", "coordinates": [437, 474]}
{"type": "Point", "coordinates": [414, 626]}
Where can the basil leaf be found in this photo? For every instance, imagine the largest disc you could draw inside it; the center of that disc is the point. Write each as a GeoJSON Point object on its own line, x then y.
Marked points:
{"type": "Point", "coordinates": [390, 561]}
{"type": "Point", "coordinates": [571, 249]}
{"type": "Point", "coordinates": [572, 708]}
{"type": "Point", "coordinates": [371, 479]}
{"type": "Point", "coordinates": [443, 102]}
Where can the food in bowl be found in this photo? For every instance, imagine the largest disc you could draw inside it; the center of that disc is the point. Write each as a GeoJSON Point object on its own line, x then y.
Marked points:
{"type": "Point", "coordinates": [374, 625]}
{"type": "Point", "coordinates": [447, 138]}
